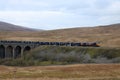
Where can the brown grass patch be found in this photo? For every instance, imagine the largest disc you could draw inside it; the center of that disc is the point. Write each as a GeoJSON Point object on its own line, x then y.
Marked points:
{"type": "Point", "coordinates": [107, 36]}
{"type": "Point", "coordinates": [66, 72]}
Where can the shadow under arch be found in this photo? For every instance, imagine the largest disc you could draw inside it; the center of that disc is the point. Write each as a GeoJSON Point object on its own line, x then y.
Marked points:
{"type": "Point", "coordinates": [9, 52]}
{"type": "Point", "coordinates": [2, 51]}
{"type": "Point", "coordinates": [17, 52]}
{"type": "Point", "coordinates": [27, 48]}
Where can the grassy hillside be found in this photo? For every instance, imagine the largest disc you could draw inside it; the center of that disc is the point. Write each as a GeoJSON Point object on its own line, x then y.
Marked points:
{"type": "Point", "coordinates": [11, 27]}
{"type": "Point", "coordinates": [108, 36]}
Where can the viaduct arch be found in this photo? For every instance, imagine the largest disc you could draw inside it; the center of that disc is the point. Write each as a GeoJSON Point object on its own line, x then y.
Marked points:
{"type": "Point", "coordinates": [17, 52]}
{"type": "Point", "coordinates": [2, 51]}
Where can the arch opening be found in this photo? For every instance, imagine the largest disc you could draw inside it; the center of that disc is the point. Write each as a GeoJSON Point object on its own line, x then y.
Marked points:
{"type": "Point", "coordinates": [2, 51]}
{"type": "Point", "coordinates": [9, 52]}
{"type": "Point", "coordinates": [17, 52]}
{"type": "Point", "coordinates": [27, 48]}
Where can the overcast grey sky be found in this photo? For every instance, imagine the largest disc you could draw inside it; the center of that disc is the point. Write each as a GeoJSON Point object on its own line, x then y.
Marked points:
{"type": "Point", "coordinates": [56, 14]}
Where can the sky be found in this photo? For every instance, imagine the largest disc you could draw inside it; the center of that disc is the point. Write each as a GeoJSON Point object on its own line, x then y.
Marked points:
{"type": "Point", "coordinates": [57, 14]}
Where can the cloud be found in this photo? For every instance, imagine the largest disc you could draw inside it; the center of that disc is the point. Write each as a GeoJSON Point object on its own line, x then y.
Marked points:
{"type": "Point", "coordinates": [53, 14]}
{"type": "Point", "coordinates": [43, 19]}
{"type": "Point", "coordinates": [37, 19]}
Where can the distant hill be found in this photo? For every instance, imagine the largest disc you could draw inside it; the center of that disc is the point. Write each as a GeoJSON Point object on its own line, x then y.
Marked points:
{"type": "Point", "coordinates": [107, 36]}
{"type": "Point", "coordinates": [11, 27]}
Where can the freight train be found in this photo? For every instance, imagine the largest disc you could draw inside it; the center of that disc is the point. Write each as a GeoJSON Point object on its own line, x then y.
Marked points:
{"type": "Point", "coordinates": [83, 44]}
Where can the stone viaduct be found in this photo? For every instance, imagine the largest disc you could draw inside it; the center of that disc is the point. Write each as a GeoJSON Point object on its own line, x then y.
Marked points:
{"type": "Point", "coordinates": [15, 49]}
